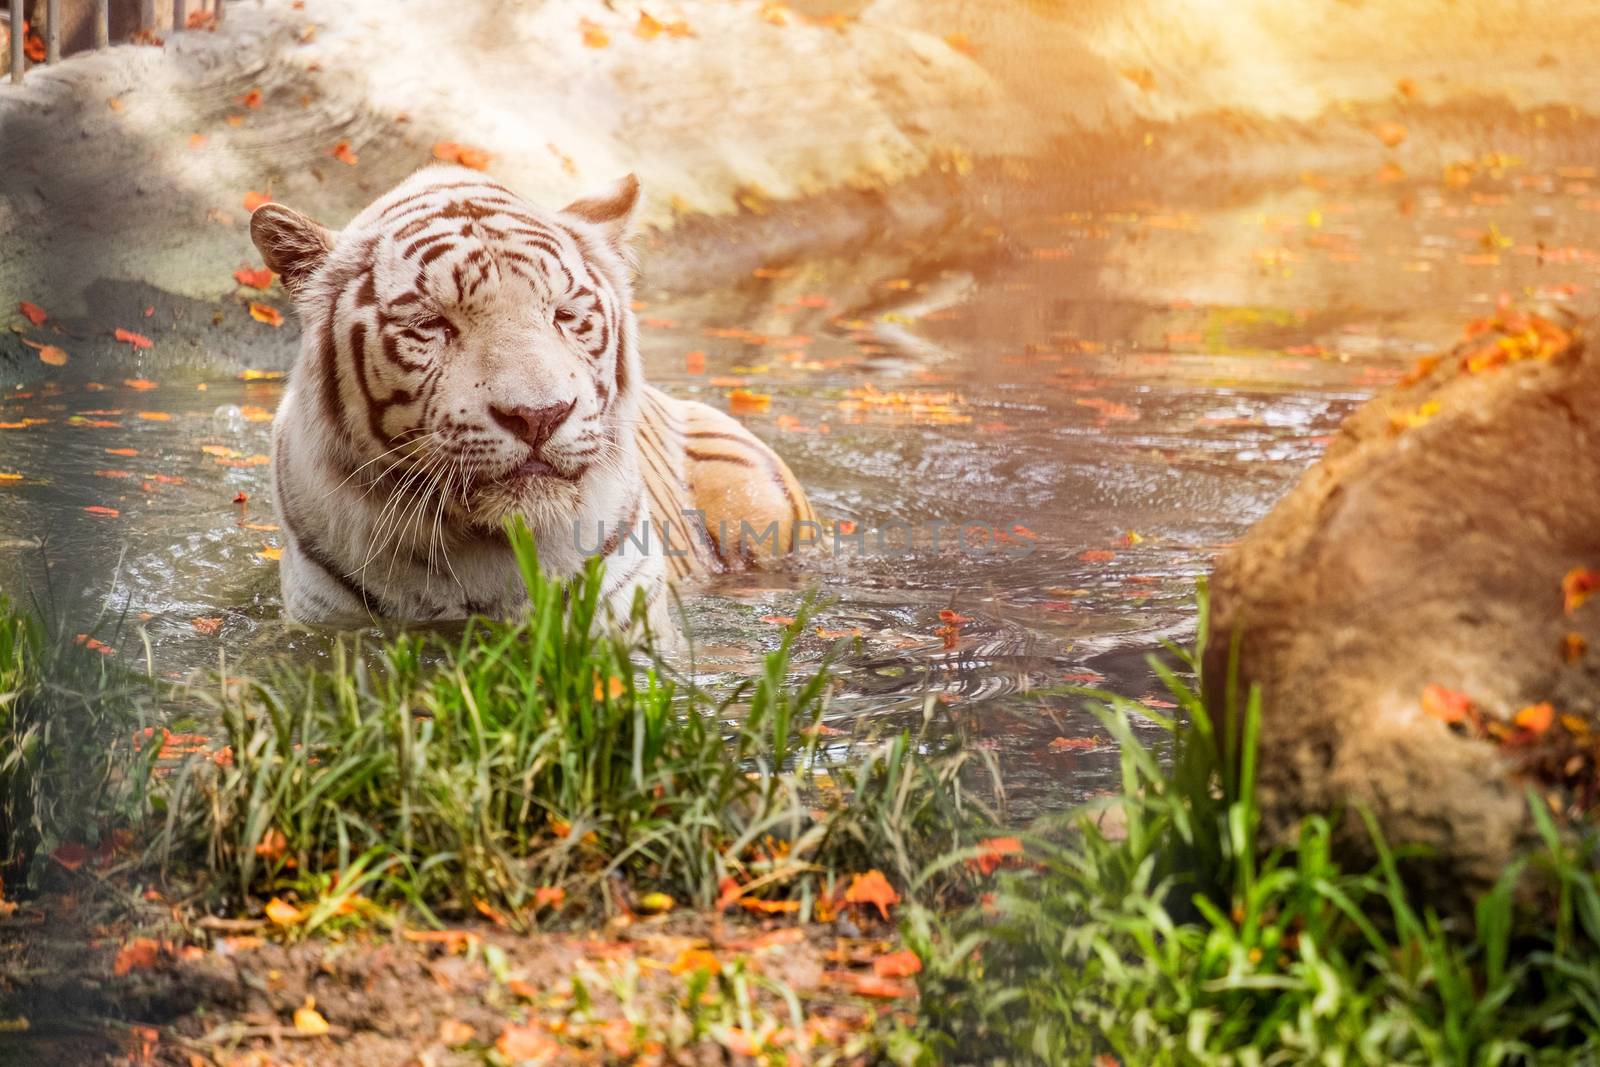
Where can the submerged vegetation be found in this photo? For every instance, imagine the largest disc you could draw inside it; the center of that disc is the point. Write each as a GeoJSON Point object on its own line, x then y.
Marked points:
{"type": "Point", "coordinates": [552, 773]}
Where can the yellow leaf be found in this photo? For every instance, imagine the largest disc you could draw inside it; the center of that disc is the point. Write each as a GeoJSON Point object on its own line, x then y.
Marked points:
{"type": "Point", "coordinates": [745, 400]}
{"type": "Point", "coordinates": [656, 903]}
{"type": "Point", "coordinates": [308, 1020]}
{"type": "Point", "coordinates": [593, 35]}
{"type": "Point", "coordinates": [266, 313]}
{"type": "Point", "coordinates": [695, 959]}
{"type": "Point", "coordinates": [284, 913]}
{"type": "Point", "coordinates": [271, 552]}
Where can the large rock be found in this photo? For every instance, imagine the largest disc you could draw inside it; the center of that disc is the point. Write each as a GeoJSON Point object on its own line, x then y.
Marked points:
{"type": "Point", "coordinates": [1429, 548]}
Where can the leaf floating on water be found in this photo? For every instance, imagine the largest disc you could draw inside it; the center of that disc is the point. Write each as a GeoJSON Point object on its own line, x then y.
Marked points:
{"type": "Point", "coordinates": [137, 340]}
{"type": "Point", "coordinates": [33, 313]}
{"type": "Point", "coordinates": [101, 509]}
{"type": "Point", "coordinates": [207, 624]}
{"type": "Point", "coordinates": [343, 154]}
{"type": "Point", "coordinates": [271, 552]}
{"type": "Point", "coordinates": [1073, 744]}
{"type": "Point", "coordinates": [251, 100]}
{"type": "Point", "coordinates": [746, 401]}
{"type": "Point", "coordinates": [156, 416]}
{"type": "Point", "coordinates": [1097, 555]}
{"type": "Point", "coordinates": [266, 313]}
{"type": "Point", "coordinates": [52, 356]}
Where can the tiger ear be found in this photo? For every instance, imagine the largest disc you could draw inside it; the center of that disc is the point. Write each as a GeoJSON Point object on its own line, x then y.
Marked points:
{"type": "Point", "coordinates": [290, 244]}
{"type": "Point", "coordinates": [610, 209]}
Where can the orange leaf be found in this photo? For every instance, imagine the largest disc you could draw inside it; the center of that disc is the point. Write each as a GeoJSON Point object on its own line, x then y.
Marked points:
{"type": "Point", "coordinates": [253, 200]}
{"type": "Point", "coordinates": [197, 141]}
{"type": "Point", "coordinates": [1446, 705]}
{"type": "Point", "coordinates": [778, 620]}
{"type": "Point", "coordinates": [156, 416]}
{"type": "Point", "coordinates": [251, 100]}
{"type": "Point", "coordinates": [34, 313]}
{"type": "Point", "coordinates": [141, 384]}
{"type": "Point", "coordinates": [518, 1042]}
{"type": "Point", "coordinates": [874, 889]}
{"type": "Point", "coordinates": [208, 625]}
{"type": "Point", "coordinates": [1073, 744]}
{"type": "Point", "coordinates": [139, 954]}
{"type": "Point", "coordinates": [901, 964]}
{"type": "Point", "coordinates": [769, 907]}
{"type": "Point", "coordinates": [961, 43]}
{"type": "Point", "coordinates": [1573, 646]}
{"type": "Point", "coordinates": [1578, 585]}
{"type": "Point", "coordinates": [953, 618]}
{"type": "Point", "coordinates": [465, 155]}
{"type": "Point", "coordinates": [695, 959]}
{"type": "Point", "coordinates": [266, 313]}
{"type": "Point", "coordinates": [453, 1032]}
{"type": "Point", "coordinates": [343, 154]}
{"type": "Point", "coordinates": [694, 362]}
{"type": "Point", "coordinates": [1390, 133]}
{"type": "Point", "coordinates": [1536, 718]}
{"type": "Point", "coordinates": [101, 509]}
{"type": "Point", "coordinates": [255, 278]}
{"type": "Point", "coordinates": [137, 340]}
{"type": "Point", "coordinates": [1097, 555]}
{"type": "Point", "coordinates": [994, 852]}
{"type": "Point", "coordinates": [271, 552]}
{"type": "Point", "coordinates": [122, 451]}
{"type": "Point", "coordinates": [747, 401]}
{"type": "Point", "coordinates": [52, 356]}
{"type": "Point", "coordinates": [273, 845]}
{"type": "Point", "coordinates": [552, 896]}
{"type": "Point", "coordinates": [284, 913]}
{"type": "Point", "coordinates": [593, 35]}
{"type": "Point", "coordinates": [95, 646]}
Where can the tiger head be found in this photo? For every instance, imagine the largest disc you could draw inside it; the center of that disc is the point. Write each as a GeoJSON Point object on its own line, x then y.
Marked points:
{"type": "Point", "coordinates": [464, 344]}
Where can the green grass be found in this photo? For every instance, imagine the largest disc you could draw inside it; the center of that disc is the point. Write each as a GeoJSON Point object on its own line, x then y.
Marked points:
{"type": "Point", "coordinates": [1180, 942]}
{"type": "Point", "coordinates": [71, 770]}
{"type": "Point", "coordinates": [551, 751]}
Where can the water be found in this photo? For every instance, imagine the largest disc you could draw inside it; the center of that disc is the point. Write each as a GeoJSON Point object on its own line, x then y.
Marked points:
{"type": "Point", "coordinates": [1121, 383]}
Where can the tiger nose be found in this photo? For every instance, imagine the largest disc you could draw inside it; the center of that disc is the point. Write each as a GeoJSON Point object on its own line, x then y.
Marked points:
{"type": "Point", "coordinates": [532, 425]}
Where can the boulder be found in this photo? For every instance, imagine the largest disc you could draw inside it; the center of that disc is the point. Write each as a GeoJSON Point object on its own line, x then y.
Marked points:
{"type": "Point", "coordinates": [1424, 583]}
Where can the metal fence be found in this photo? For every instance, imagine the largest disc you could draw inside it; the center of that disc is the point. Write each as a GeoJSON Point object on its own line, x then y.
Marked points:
{"type": "Point", "coordinates": [182, 11]}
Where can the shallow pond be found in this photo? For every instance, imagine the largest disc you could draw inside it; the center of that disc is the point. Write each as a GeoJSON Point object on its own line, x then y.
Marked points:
{"type": "Point", "coordinates": [1120, 386]}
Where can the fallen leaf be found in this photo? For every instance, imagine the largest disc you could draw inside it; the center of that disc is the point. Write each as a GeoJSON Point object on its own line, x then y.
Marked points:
{"type": "Point", "coordinates": [308, 1020]}
{"type": "Point", "coordinates": [902, 964]}
{"type": "Point", "coordinates": [137, 340]}
{"type": "Point", "coordinates": [122, 451]}
{"type": "Point", "coordinates": [156, 416]}
{"type": "Point", "coordinates": [52, 356]}
{"type": "Point", "coordinates": [549, 896]}
{"type": "Point", "coordinates": [1577, 586]}
{"type": "Point", "coordinates": [94, 645]}
{"type": "Point", "coordinates": [253, 200]}
{"type": "Point", "coordinates": [140, 384]}
{"type": "Point", "coordinates": [1535, 718]}
{"type": "Point", "coordinates": [207, 624]}
{"type": "Point", "coordinates": [1573, 646]}
{"type": "Point", "coordinates": [255, 278]}
{"type": "Point", "coordinates": [284, 913]}
{"type": "Point", "coordinates": [613, 688]}
{"type": "Point", "coordinates": [454, 1032]}
{"type": "Point", "coordinates": [1390, 133]}
{"type": "Point", "coordinates": [33, 313]}
{"type": "Point", "coordinates": [778, 620]}
{"type": "Point", "coordinates": [139, 954]}
{"type": "Point", "coordinates": [271, 552]}
{"type": "Point", "coordinates": [874, 889]}
{"type": "Point", "coordinates": [1097, 555]}
{"type": "Point", "coordinates": [343, 154]}
{"type": "Point", "coordinates": [746, 401]}
{"type": "Point", "coordinates": [71, 854]}
{"type": "Point", "coordinates": [251, 100]}
{"type": "Point", "coordinates": [995, 852]}
{"type": "Point", "coordinates": [527, 1042]}
{"type": "Point", "coordinates": [1073, 744]}
{"type": "Point", "coordinates": [656, 903]}
{"type": "Point", "coordinates": [101, 509]}
{"type": "Point", "coordinates": [593, 35]}
{"type": "Point", "coordinates": [1446, 705]}
{"type": "Point", "coordinates": [266, 313]}
{"type": "Point", "coordinates": [961, 43]}
{"type": "Point", "coordinates": [197, 141]}
{"type": "Point", "coordinates": [273, 845]}
{"type": "Point", "coordinates": [240, 497]}
{"type": "Point", "coordinates": [695, 959]}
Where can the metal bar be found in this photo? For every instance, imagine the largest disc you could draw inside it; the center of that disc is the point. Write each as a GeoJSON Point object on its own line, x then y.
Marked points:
{"type": "Point", "coordinates": [180, 15]}
{"type": "Point", "coordinates": [52, 31]}
{"type": "Point", "coordinates": [102, 23]}
{"type": "Point", "coordinates": [147, 15]}
{"type": "Point", "coordinates": [16, 42]}
{"type": "Point", "coordinates": [216, 11]}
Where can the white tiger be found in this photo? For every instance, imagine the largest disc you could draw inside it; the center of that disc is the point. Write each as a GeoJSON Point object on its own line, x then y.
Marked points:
{"type": "Point", "coordinates": [467, 357]}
